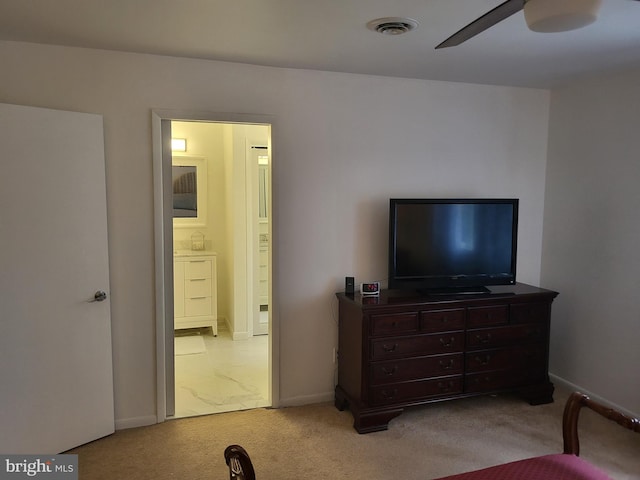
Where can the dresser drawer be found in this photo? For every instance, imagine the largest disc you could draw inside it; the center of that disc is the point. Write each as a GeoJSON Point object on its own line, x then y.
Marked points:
{"type": "Point", "coordinates": [197, 287]}
{"type": "Point", "coordinates": [442, 320]}
{"type": "Point", "coordinates": [197, 269]}
{"type": "Point", "coordinates": [197, 306]}
{"type": "Point", "coordinates": [491, 381]}
{"type": "Point", "coordinates": [486, 316]}
{"type": "Point", "coordinates": [418, 345]}
{"type": "Point", "coordinates": [410, 391]}
{"type": "Point", "coordinates": [394, 324]}
{"type": "Point", "coordinates": [529, 312]}
{"type": "Point", "coordinates": [498, 336]}
{"type": "Point", "coordinates": [506, 358]}
{"type": "Point", "coordinates": [416, 368]}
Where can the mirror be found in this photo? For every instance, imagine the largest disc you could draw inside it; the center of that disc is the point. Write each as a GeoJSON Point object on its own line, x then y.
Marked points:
{"type": "Point", "coordinates": [188, 180]}
{"type": "Point", "coordinates": [185, 191]}
{"type": "Point", "coordinates": [263, 185]}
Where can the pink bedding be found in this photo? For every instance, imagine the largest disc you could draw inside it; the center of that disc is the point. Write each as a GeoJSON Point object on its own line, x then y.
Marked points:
{"type": "Point", "coordinates": [548, 467]}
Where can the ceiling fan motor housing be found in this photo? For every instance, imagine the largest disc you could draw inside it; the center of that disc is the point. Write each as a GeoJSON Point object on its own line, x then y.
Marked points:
{"type": "Point", "coordinates": [549, 16]}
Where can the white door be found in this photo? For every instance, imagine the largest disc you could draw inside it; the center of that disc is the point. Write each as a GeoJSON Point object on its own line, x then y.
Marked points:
{"type": "Point", "coordinates": [260, 197]}
{"type": "Point", "coordinates": [56, 380]}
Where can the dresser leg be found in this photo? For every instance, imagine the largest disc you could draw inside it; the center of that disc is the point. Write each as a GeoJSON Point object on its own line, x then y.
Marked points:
{"type": "Point", "coordinates": [366, 420]}
{"type": "Point", "coordinates": [374, 420]}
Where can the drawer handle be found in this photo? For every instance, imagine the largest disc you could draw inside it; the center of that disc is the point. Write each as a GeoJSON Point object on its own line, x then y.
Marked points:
{"type": "Point", "coordinates": [390, 372]}
{"type": "Point", "coordinates": [483, 360]}
{"type": "Point", "coordinates": [485, 379]}
{"type": "Point", "coordinates": [447, 343]}
{"type": "Point", "coordinates": [198, 298]}
{"type": "Point", "coordinates": [390, 395]}
{"type": "Point", "coordinates": [447, 365]}
{"type": "Point", "coordinates": [197, 279]}
{"type": "Point", "coordinates": [446, 387]}
{"type": "Point", "coordinates": [390, 348]}
{"type": "Point", "coordinates": [485, 339]}
{"type": "Point", "coordinates": [197, 261]}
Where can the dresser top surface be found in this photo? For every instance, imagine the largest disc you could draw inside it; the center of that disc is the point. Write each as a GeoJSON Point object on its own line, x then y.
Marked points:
{"type": "Point", "coordinates": [391, 298]}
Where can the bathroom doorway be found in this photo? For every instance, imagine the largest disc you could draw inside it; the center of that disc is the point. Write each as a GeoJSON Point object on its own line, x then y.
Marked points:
{"type": "Point", "coordinates": [218, 335]}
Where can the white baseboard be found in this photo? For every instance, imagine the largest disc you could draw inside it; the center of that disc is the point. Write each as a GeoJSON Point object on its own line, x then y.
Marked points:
{"type": "Point", "coordinates": [307, 399]}
{"type": "Point", "coordinates": [234, 335]}
{"type": "Point", "coordinates": [124, 423]}
{"type": "Point", "coordinates": [222, 323]}
{"type": "Point", "coordinates": [577, 388]}
{"type": "Point", "coordinates": [240, 335]}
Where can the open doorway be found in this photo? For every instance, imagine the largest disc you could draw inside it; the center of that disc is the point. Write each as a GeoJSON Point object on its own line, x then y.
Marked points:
{"type": "Point", "coordinates": [218, 320]}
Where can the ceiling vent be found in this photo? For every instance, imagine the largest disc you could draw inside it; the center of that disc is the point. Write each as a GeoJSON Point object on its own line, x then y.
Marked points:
{"type": "Point", "coordinates": [392, 25]}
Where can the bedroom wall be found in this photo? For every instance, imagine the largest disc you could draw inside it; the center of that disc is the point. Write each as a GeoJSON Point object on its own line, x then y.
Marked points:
{"type": "Point", "coordinates": [343, 145]}
{"type": "Point", "coordinates": [592, 234]}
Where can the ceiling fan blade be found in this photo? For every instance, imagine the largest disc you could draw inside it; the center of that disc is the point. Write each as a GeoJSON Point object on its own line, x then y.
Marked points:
{"type": "Point", "coordinates": [489, 19]}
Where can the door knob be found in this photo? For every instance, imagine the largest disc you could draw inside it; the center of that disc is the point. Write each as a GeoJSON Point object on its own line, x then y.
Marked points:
{"type": "Point", "coordinates": [100, 296]}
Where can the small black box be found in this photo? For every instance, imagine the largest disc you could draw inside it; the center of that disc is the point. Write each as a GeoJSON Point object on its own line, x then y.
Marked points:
{"type": "Point", "coordinates": [349, 285]}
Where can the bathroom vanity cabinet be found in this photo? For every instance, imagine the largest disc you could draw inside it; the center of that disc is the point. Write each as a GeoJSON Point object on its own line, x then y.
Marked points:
{"type": "Point", "coordinates": [194, 291]}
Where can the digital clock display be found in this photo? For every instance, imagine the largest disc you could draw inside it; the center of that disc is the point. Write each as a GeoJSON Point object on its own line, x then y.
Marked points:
{"type": "Point", "coordinates": [370, 288]}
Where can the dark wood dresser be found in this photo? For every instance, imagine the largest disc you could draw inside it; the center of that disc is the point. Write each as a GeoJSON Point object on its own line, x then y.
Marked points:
{"type": "Point", "coordinates": [401, 349]}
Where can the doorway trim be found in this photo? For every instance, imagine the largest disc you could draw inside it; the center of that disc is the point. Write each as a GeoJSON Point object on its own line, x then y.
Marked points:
{"type": "Point", "coordinates": [163, 242]}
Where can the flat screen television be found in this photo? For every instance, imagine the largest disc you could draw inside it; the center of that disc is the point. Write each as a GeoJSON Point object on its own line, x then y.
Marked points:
{"type": "Point", "coordinates": [452, 245]}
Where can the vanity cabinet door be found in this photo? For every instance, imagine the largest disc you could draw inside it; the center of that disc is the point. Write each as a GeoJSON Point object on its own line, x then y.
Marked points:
{"type": "Point", "coordinates": [197, 307]}
{"type": "Point", "coordinates": [195, 296]}
{"type": "Point", "coordinates": [196, 269]}
{"type": "Point", "coordinates": [197, 287]}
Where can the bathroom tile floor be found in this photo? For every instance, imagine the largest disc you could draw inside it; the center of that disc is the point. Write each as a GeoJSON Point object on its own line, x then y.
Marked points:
{"type": "Point", "coordinates": [229, 375]}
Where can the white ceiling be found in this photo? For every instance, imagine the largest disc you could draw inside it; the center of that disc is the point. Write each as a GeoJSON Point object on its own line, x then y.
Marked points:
{"type": "Point", "coordinates": [332, 35]}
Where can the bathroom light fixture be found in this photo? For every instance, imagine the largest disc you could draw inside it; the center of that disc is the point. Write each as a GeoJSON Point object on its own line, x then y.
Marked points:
{"type": "Point", "coordinates": [392, 25]}
{"type": "Point", "coordinates": [560, 15]}
{"type": "Point", "coordinates": [178, 144]}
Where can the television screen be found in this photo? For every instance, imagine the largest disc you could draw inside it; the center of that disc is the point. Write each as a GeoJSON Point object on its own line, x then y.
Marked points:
{"type": "Point", "coordinates": [452, 244]}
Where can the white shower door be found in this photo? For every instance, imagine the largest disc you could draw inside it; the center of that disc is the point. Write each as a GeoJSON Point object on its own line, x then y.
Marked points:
{"type": "Point", "coordinates": [55, 326]}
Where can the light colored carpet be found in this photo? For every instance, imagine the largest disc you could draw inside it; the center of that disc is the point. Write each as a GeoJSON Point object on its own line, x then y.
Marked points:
{"type": "Point", "coordinates": [189, 345]}
{"type": "Point", "coordinates": [317, 442]}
